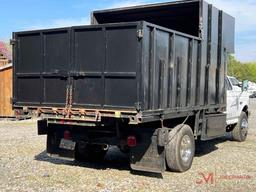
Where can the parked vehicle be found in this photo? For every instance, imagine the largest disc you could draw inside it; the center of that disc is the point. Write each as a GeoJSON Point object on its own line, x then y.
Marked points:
{"type": "Point", "coordinates": [252, 89]}
{"type": "Point", "coordinates": [253, 95]}
{"type": "Point", "coordinates": [149, 79]}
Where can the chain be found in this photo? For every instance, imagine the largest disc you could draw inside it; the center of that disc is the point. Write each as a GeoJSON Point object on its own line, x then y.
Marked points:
{"type": "Point", "coordinates": [67, 97]}
{"type": "Point", "coordinates": [70, 96]}
{"type": "Point", "coordinates": [177, 129]}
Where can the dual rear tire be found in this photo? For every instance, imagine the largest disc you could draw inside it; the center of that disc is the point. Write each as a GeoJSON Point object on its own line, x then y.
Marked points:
{"type": "Point", "coordinates": [180, 150]}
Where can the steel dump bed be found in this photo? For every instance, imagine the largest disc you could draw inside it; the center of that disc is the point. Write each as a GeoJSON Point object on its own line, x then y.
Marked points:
{"type": "Point", "coordinates": [123, 66]}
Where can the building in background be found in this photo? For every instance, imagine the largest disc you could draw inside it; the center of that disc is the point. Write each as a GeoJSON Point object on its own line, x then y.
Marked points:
{"type": "Point", "coordinates": [5, 54]}
{"type": "Point", "coordinates": [5, 81]}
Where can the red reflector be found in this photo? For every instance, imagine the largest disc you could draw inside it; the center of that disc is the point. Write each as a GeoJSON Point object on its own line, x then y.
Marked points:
{"type": "Point", "coordinates": [67, 135]}
{"type": "Point", "coordinates": [131, 141]}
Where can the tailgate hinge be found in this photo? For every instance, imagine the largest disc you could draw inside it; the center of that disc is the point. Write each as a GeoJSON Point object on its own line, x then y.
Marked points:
{"type": "Point", "coordinates": [13, 41]}
{"type": "Point", "coordinates": [140, 34]}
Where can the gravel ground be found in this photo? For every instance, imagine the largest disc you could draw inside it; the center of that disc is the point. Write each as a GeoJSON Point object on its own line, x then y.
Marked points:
{"type": "Point", "coordinates": [219, 165]}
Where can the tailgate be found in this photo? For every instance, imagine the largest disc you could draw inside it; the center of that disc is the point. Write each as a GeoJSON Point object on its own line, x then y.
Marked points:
{"type": "Point", "coordinates": [94, 66]}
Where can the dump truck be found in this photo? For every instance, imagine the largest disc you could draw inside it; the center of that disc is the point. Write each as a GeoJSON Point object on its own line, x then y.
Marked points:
{"type": "Point", "coordinates": [149, 79]}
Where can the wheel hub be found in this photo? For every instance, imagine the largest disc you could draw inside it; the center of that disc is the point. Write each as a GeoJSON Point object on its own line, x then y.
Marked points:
{"type": "Point", "coordinates": [244, 127]}
{"type": "Point", "coordinates": [186, 148]}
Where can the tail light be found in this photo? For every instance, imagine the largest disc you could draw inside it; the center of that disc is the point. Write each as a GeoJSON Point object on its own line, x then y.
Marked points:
{"type": "Point", "coordinates": [18, 112]}
{"type": "Point", "coordinates": [131, 141]}
{"type": "Point", "coordinates": [67, 135]}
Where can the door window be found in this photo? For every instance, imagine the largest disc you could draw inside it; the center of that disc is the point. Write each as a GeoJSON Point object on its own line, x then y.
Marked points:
{"type": "Point", "coordinates": [228, 85]}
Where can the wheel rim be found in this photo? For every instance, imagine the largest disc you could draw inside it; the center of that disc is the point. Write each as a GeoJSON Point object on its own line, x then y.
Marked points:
{"type": "Point", "coordinates": [244, 127]}
{"type": "Point", "coordinates": [186, 148]}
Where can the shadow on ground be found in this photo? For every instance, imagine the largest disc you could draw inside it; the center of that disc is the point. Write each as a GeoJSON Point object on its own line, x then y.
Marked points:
{"type": "Point", "coordinates": [115, 159]}
{"type": "Point", "coordinates": [206, 147]}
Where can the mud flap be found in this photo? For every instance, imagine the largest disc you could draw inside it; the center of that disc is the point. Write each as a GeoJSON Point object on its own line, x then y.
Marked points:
{"type": "Point", "coordinates": [147, 155]}
{"type": "Point", "coordinates": [54, 150]}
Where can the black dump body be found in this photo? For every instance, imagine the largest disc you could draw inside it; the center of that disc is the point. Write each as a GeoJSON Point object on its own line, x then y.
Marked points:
{"type": "Point", "coordinates": [139, 78]}
{"type": "Point", "coordinates": [143, 63]}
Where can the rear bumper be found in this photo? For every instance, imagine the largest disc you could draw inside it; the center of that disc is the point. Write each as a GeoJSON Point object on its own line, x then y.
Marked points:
{"type": "Point", "coordinates": [82, 117]}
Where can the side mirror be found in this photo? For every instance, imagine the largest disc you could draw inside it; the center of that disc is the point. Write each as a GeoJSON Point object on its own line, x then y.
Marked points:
{"type": "Point", "coordinates": [245, 85]}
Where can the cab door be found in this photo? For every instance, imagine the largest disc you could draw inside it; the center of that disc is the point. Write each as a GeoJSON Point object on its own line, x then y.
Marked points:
{"type": "Point", "coordinates": [232, 101]}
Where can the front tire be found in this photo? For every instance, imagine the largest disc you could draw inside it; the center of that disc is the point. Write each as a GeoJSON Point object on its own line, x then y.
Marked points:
{"type": "Point", "coordinates": [180, 149]}
{"type": "Point", "coordinates": [240, 131]}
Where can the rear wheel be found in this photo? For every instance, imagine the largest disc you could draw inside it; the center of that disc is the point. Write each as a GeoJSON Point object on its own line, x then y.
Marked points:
{"type": "Point", "coordinates": [181, 148]}
{"type": "Point", "coordinates": [90, 152]}
{"type": "Point", "coordinates": [240, 131]}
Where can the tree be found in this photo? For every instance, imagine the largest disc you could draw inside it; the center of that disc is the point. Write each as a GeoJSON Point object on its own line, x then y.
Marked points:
{"type": "Point", "coordinates": [241, 70]}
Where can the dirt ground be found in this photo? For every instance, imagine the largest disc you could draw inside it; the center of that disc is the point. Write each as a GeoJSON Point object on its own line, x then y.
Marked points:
{"type": "Point", "coordinates": [219, 165]}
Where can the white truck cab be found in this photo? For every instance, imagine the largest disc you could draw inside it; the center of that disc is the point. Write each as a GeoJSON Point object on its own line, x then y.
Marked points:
{"type": "Point", "coordinates": [237, 108]}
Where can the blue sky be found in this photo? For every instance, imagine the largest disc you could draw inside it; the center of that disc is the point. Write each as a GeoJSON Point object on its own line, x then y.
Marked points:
{"type": "Point", "coordinates": [19, 15]}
